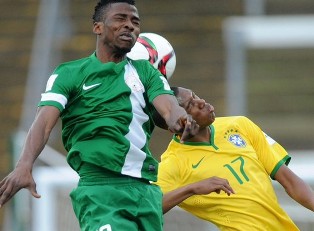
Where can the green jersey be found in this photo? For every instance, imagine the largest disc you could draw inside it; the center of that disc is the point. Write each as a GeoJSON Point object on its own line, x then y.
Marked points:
{"type": "Point", "coordinates": [106, 111]}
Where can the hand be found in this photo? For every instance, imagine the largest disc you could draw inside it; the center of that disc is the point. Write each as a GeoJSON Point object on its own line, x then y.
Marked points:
{"type": "Point", "coordinates": [15, 181]}
{"type": "Point", "coordinates": [186, 126]}
{"type": "Point", "coordinates": [212, 184]}
{"type": "Point", "coordinates": [191, 128]}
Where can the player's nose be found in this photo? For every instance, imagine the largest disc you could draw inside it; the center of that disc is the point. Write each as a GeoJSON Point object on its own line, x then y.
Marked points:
{"type": "Point", "coordinates": [129, 24]}
{"type": "Point", "coordinates": [201, 103]}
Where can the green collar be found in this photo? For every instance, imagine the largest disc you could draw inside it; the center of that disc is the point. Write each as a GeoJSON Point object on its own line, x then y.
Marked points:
{"type": "Point", "coordinates": [211, 142]}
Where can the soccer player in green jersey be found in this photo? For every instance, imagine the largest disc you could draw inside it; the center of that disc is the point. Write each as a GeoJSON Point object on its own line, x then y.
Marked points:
{"type": "Point", "coordinates": [236, 149]}
{"type": "Point", "coordinates": [106, 103]}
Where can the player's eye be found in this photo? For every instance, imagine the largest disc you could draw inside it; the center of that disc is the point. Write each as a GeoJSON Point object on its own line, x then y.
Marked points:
{"type": "Point", "coordinates": [136, 22]}
{"type": "Point", "coordinates": [189, 105]}
{"type": "Point", "coordinates": [120, 17]}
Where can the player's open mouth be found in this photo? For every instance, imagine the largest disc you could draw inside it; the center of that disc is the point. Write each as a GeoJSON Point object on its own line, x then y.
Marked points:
{"type": "Point", "coordinates": [126, 37]}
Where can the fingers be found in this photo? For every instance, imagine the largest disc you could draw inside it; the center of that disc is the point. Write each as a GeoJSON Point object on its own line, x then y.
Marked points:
{"type": "Point", "coordinates": [227, 189]}
{"type": "Point", "coordinates": [213, 184]}
{"type": "Point", "coordinates": [33, 191]}
{"type": "Point", "coordinates": [5, 193]}
{"type": "Point", "coordinates": [10, 185]}
{"type": "Point", "coordinates": [224, 186]}
{"type": "Point", "coordinates": [190, 128]}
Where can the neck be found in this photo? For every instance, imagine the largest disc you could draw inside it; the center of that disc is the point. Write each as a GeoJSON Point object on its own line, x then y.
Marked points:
{"type": "Point", "coordinates": [106, 57]}
{"type": "Point", "coordinates": [107, 54]}
{"type": "Point", "coordinates": [203, 135]}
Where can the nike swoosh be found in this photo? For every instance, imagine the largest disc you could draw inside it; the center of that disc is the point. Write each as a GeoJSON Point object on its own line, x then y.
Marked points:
{"type": "Point", "coordinates": [89, 87]}
{"type": "Point", "coordinates": [198, 163]}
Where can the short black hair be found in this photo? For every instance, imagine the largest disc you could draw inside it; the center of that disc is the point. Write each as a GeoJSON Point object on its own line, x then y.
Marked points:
{"type": "Point", "coordinates": [103, 4]}
{"type": "Point", "coordinates": [176, 94]}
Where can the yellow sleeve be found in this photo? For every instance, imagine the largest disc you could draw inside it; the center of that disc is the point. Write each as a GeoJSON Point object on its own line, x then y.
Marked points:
{"type": "Point", "coordinates": [168, 172]}
{"type": "Point", "coordinates": [271, 154]}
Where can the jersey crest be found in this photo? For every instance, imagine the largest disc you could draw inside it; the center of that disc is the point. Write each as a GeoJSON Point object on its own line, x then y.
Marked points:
{"type": "Point", "coordinates": [233, 137]}
{"type": "Point", "coordinates": [237, 140]}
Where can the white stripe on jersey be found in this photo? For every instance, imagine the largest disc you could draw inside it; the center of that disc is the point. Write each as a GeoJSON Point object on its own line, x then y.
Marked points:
{"type": "Point", "coordinates": [270, 140]}
{"type": "Point", "coordinates": [54, 97]}
{"type": "Point", "coordinates": [135, 157]}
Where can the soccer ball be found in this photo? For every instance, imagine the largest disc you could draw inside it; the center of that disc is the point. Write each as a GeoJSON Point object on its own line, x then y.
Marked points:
{"type": "Point", "coordinates": [157, 50]}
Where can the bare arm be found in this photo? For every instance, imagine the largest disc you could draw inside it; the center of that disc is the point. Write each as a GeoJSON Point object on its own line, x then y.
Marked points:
{"type": "Point", "coordinates": [209, 185]}
{"type": "Point", "coordinates": [36, 139]}
{"type": "Point", "coordinates": [159, 121]}
{"type": "Point", "coordinates": [296, 188]}
{"type": "Point", "coordinates": [177, 119]}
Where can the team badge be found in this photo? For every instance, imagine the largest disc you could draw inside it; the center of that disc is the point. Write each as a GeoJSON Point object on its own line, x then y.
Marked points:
{"type": "Point", "coordinates": [235, 138]}
{"type": "Point", "coordinates": [132, 79]}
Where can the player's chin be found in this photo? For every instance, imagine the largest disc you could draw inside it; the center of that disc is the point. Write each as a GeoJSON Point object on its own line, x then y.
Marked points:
{"type": "Point", "coordinates": [124, 49]}
{"type": "Point", "coordinates": [212, 117]}
{"type": "Point", "coordinates": [127, 45]}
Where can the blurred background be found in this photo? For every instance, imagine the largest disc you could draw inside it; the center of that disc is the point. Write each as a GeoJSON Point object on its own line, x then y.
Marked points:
{"type": "Point", "coordinates": [245, 57]}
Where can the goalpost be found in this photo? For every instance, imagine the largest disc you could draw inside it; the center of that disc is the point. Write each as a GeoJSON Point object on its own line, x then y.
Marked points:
{"type": "Point", "coordinates": [54, 210]}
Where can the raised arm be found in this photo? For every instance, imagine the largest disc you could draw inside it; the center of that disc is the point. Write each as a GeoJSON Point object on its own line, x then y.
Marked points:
{"type": "Point", "coordinates": [177, 119]}
{"type": "Point", "coordinates": [209, 185]}
{"type": "Point", "coordinates": [296, 188]}
{"type": "Point", "coordinates": [36, 139]}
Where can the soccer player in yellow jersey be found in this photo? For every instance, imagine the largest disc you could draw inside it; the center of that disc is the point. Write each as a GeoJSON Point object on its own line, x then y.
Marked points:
{"type": "Point", "coordinates": [236, 149]}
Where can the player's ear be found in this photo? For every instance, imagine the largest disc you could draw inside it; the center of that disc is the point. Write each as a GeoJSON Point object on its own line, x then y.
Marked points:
{"type": "Point", "coordinates": [97, 28]}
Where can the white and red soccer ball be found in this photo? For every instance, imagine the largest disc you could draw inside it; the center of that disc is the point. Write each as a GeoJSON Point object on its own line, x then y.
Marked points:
{"type": "Point", "coordinates": [157, 50]}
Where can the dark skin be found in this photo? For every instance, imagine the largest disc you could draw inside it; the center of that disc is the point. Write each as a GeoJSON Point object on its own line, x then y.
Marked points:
{"type": "Point", "coordinates": [112, 46]}
{"type": "Point", "coordinates": [116, 35]}
{"type": "Point", "coordinates": [204, 115]}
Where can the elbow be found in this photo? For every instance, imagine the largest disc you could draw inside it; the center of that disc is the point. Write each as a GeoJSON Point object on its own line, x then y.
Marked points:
{"type": "Point", "coordinates": [166, 208]}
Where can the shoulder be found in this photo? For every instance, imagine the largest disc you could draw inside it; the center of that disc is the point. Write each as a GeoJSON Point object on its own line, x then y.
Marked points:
{"type": "Point", "coordinates": [233, 120]}
{"type": "Point", "coordinates": [172, 149]}
{"type": "Point", "coordinates": [140, 62]}
{"type": "Point", "coordinates": [75, 64]}
{"type": "Point", "coordinates": [143, 66]}
{"type": "Point", "coordinates": [170, 159]}
{"type": "Point", "coordinates": [240, 124]}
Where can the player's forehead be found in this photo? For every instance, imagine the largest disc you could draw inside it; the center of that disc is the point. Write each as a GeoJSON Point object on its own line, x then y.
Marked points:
{"type": "Point", "coordinates": [185, 96]}
{"type": "Point", "coordinates": [121, 8]}
{"type": "Point", "coordinates": [186, 93]}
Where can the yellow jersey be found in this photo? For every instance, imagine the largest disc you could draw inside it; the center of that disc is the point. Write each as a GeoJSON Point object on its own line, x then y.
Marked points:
{"type": "Point", "coordinates": [242, 153]}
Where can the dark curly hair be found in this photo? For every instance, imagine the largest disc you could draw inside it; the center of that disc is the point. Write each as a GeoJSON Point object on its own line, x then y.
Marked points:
{"type": "Point", "coordinates": [103, 4]}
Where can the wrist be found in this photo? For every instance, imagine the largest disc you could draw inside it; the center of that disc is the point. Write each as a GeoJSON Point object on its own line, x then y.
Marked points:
{"type": "Point", "coordinates": [191, 189]}
{"type": "Point", "coordinates": [25, 165]}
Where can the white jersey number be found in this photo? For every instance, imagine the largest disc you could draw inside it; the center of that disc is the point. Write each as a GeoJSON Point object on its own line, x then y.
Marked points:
{"type": "Point", "coordinates": [105, 228]}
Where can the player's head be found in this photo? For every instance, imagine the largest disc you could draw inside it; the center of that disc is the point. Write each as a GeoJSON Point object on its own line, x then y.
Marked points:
{"type": "Point", "coordinates": [116, 24]}
{"type": "Point", "coordinates": [201, 111]}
